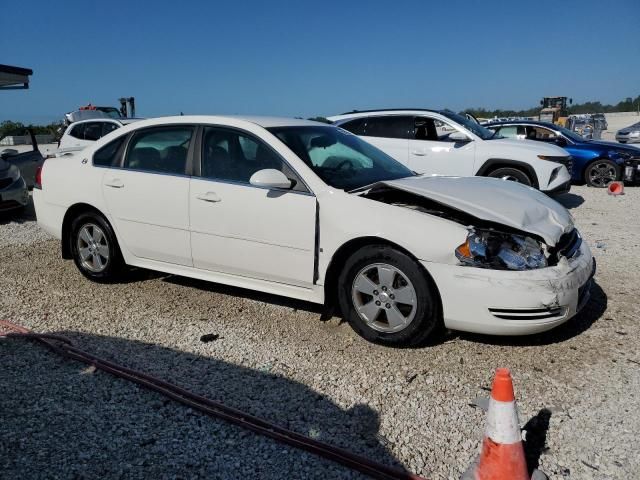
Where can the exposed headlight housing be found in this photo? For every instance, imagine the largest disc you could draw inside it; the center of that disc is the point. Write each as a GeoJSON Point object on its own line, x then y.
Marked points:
{"type": "Point", "coordinates": [501, 251]}
{"type": "Point", "coordinates": [14, 173]}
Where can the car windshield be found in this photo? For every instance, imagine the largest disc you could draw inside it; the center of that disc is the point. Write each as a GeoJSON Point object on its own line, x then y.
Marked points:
{"type": "Point", "coordinates": [473, 127]}
{"type": "Point", "coordinates": [569, 134]}
{"type": "Point", "coordinates": [339, 158]}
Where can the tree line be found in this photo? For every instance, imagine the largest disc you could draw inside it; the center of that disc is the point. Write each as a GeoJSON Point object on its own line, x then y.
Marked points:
{"type": "Point", "coordinates": [627, 105]}
{"type": "Point", "coordinates": [8, 128]}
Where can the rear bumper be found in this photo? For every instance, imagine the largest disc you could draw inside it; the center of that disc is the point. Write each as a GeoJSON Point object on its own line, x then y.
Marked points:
{"type": "Point", "coordinates": [50, 216]}
{"type": "Point", "coordinates": [499, 302]}
{"type": "Point", "coordinates": [14, 196]}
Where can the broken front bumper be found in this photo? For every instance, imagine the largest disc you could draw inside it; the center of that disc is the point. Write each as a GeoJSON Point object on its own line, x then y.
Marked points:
{"type": "Point", "coordinates": [500, 302]}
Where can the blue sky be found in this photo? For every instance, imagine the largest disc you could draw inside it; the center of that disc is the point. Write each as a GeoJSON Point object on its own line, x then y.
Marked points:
{"type": "Point", "coordinates": [299, 58]}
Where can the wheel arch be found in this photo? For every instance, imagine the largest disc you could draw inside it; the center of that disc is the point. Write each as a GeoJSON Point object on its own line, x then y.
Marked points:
{"type": "Point", "coordinates": [349, 248]}
{"type": "Point", "coordinates": [72, 212]}
{"type": "Point", "coordinates": [494, 163]}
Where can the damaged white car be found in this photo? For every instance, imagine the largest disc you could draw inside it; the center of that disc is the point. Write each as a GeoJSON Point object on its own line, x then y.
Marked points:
{"type": "Point", "coordinates": [310, 211]}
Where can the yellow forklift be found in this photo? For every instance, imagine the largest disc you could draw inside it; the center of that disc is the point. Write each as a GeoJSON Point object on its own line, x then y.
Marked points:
{"type": "Point", "coordinates": [554, 110]}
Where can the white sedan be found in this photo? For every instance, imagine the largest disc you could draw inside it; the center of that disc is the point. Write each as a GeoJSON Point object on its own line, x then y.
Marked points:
{"type": "Point", "coordinates": [310, 211]}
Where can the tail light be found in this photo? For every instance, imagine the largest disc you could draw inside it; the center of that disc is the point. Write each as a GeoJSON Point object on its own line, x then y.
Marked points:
{"type": "Point", "coordinates": [38, 182]}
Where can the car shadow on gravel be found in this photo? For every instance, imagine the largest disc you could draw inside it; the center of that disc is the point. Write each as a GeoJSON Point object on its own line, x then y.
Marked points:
{"type": "Point", "coordinates": [64, 419]}
{"type": "Point", "coordinates": [570, 200]}
{"type": "Point", "coordinates": [592, 311]}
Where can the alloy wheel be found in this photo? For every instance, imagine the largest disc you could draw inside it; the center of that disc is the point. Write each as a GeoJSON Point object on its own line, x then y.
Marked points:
{"type": "Point", "coordinates": [384, 297]}
{"type": "Point", "coordinates": [93, 248]}
{"type": "Point", "coordinates": [602, 174]}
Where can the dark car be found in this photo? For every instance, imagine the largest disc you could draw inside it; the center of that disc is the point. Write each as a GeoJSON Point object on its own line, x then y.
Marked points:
{"type": "Point", "coordinates": [13, 189]}
{"type": "Point", "coordinates": [594, 162]}
{"type": "Point", "coordinates": [26, 162]}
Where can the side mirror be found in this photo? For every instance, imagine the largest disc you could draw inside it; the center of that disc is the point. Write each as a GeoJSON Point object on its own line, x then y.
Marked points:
{"type": "Point", "coordinates": [270, 178]}
{"type": "Point", "coordinates": [458, 137]}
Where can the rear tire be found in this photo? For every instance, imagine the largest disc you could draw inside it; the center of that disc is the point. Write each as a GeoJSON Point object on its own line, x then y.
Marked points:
{"type": "Point", "coordinates": [388, 298]}
{"type": "Point", "coordinates": [511, 174]}
{"type": "Point", "coordinates": [94, 248]}
{"type": "Point", "coordinates": [601, 173]}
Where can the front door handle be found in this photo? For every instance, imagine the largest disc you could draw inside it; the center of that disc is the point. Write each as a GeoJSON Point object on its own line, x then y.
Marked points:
{"type": "Point", "coordinates": [115, 183]}
{"type": "Point", "coordinates": [418, 153]}
{"type": "Point", "coordinates": [211, 197]}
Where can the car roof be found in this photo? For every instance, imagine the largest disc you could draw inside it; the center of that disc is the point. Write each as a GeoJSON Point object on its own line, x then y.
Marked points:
{"type": "Point", "coordinates": [262, 121]}
{"type": "Point", "coordinates": [383, 111]}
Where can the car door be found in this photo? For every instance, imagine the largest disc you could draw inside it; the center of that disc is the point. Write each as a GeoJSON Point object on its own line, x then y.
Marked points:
{"type": "Point", "coordinates": [389, 133]}
{"type": "Point", "coordinates": [432, 153]}
{"type": "Point", "coordinates": [148, 196]}
{"type": "Point", "coordinates": [241, 229]}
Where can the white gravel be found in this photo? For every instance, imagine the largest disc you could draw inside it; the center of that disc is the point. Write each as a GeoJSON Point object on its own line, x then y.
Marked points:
{"type": "Point", "coordinates": [277, 359]}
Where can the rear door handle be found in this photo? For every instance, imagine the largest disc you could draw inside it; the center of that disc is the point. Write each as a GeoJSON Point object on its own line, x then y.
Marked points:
{"type": "Point", "coordinates": [211, 197]}
{"type": "Point", "coordinates": [418, 153]}
{"type": "Point", "coordinates": [115, 183]}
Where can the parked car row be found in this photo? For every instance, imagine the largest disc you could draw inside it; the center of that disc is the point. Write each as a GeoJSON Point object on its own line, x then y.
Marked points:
{"type": "Point", "coordinates": [459, 146]}
{"type": "Point", "coordinates": [312, 211]}
{"type": "Point", "coordinates": [594, 162]}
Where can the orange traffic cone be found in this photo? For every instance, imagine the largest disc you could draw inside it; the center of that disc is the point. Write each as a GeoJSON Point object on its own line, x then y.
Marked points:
{"type": "Point", "coordinates": [502, 456]}
{"type": "Point", "coordinates": [616, 188]}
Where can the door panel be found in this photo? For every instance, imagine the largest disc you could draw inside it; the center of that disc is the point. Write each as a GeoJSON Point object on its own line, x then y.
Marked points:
{"type": "Point", "coordinates": [432, 154]}
{"type": "Point", "coordinates": [151, 213]}
{"type": "Point", "coordinates": [254, 232]}
{"type": "Point", "coordinates": [245, 230]}
{"type": "Point", "coordinates": [148, 199]}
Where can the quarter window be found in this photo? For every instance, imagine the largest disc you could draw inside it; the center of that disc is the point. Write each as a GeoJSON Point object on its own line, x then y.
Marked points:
{"type": "Point", "coordinates": [77, 131]}
{"type": "Point", "coordinates": [108, 127]}
{"type": "Point", "coordinates": [160, 150]}
{"type": "Point", "coordinates": [232, 156]}
{"type": "Point", "coordinates": [108, 156]}
{"type": "Point", "coordinates": [354, 126]}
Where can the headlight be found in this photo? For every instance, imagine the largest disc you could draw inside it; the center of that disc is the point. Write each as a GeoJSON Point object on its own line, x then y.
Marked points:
{"type": "Point", "coordinates": [14, 173]}
{"type": "Point", "coordinates": [502, 251]}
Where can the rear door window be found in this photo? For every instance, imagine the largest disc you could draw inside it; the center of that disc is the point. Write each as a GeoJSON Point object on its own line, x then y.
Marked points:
{"type": "Point", "coordinates": [160, 150]}
{"type": "Point", "coordinates": [391, 126]}
{"type": "Point", "coordinates": [354, 126]}
{"type": "Point", "coordinates": [109, 155]}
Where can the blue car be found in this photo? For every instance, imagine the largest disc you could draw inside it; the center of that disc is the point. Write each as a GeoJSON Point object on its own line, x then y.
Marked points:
{"type": "Point", "coordinates": [594, 162]}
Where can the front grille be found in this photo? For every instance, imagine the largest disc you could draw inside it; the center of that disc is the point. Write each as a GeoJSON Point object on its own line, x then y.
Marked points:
{"type": "Point", "coordinates": [567, 162]}
{"type": "Point", "coordinates": [527, 314]}
{"type": "Point", "coordinates": [5, 182]}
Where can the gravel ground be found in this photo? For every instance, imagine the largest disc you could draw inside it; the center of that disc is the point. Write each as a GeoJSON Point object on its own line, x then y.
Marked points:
{"type": "Point", "coordinates": [577, 386]}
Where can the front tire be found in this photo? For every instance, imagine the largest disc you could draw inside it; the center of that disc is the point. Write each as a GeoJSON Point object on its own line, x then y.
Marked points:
{"type": "Point", "coordinates": [388, 298]}
{"type": "Point", "coordinates": [94, 248]}
{"type": "Point", "coordinates": [601, 173]}
{"type": "Point", "coordinates": [512, 175]}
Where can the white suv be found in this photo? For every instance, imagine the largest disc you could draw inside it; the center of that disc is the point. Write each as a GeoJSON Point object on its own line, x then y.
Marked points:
{"type": "Point", "coordinates": [445, 143]}
{"type": "Point", "coordinates": [81, 134]}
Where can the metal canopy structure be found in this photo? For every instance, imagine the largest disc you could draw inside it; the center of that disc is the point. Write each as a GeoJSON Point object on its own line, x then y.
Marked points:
{"type": "Point", "coordinates": [14, 78]}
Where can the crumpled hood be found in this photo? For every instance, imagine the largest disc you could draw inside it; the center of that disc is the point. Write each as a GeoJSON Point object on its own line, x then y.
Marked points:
{"type": "Point", "coordinates": [494, 200]}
